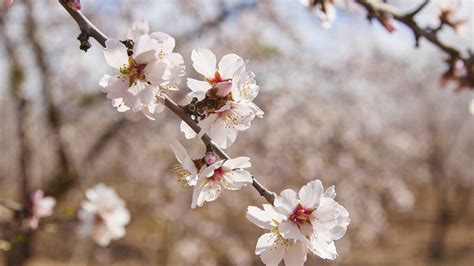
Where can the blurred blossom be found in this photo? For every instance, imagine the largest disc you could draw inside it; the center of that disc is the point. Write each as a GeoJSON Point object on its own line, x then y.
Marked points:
{"type": "Point", "coordinates": [39, 207]}
{"type": "Point", "coordinates": [103, 215]}
{"type": "Point", "coordinates": [226, 95]}
{"type": "Point", "coordinates": [146, 71]}
{"type": "Point", "coordinates": [7, 2]}
{"type": "Point", "coordinates": [228, 174]}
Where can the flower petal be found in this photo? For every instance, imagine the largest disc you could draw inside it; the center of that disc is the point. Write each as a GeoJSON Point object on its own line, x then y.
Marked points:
{"type": "Point", "coordinates": [187, 130]}
{"type": "Point", "coordinates": [229, 64]}
{"type": "Point", "coordinates": [139, 28]}
{"type": "Point", "coordinates": [286, 202]}
{"type": "Point", "coordinates": [271, 252]}
{"type": "Point", "coordinates": [198, 85]}
{"type": "Point", "coordinates": [115, 53]}
{"type": "Point", "coordinates": [289, 230]}
{"type": "Point", "coordinates": [310, 194]}
{"type": "Point", "coordinates": [204, 62]}
{"type": "Point", "coordinates": [239, 162]}
{"type": "Point", "coordinates": [296, 254]}
{"type": "Point", "coordinates": [259, 217]}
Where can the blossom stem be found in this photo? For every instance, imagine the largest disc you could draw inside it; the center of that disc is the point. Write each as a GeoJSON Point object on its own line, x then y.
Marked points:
{"type": "Point", "coordinates": [90, 30]}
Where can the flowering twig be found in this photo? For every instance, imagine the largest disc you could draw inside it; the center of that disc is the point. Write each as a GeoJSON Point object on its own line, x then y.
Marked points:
{"type": "Point", "coordinates": [380, 11]}
{"type": "Point", "coordinates": [89, 30]}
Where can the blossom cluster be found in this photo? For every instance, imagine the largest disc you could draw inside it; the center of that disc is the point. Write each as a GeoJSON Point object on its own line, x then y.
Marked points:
{"type": "Point", "coordinates": [309, 221]}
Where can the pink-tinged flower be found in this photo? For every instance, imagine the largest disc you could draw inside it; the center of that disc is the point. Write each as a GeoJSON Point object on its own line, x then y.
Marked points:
{"type": "Point", "coordinates": [103, 215]}
{"type": "Point", "coordinates": [228, 174]}
{"type": "Point", "coordinates": [39, 207]}
{"type": "Point", "coordinates": [272, 247]}
{"type": "Point", "coordinates": [220, 77]}
{"type": "Point", "coordinates": [188, 169]}
{"type": "Point", "coordinates": [313, 216]}
{"type": "Point", "coordinates": [151, 70]}
{"type": "Point", "coordinates": [245, 90]}
{"type": "Point", "coordinates": [389, 24]}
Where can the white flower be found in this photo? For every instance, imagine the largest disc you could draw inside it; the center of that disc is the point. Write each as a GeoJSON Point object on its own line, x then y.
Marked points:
{"type": "Point", "coordinates": [40, 207]}
{"type": "Point", "coordinates": [313, 216]}
{"type": "Point", "coordinates": [245, 90]}
{"type": "Point", "coordinates": [272, 247]}
{"type": "Point", "coordinates": [226, 173]}
{"type": "Point", "coordinates": [145, 75]}
{"type": "Point", "coordinates": [188, 169]}
{"type": "Point", "coordinates": [220, 77]}
{"type": "Point", "coordinates": [103, 215]}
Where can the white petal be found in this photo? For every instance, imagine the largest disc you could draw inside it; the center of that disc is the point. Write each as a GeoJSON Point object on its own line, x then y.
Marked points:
{"type": "Point", "coordinates": [239, 162]}
{"type": "Point", "coordinates": [198, 85]}
{"type": "Point", "coordinates": [259, 217]}
{"type": "Point", "coordinates": [179, 151]}
{"type": "Point", "coordinates": [229, 64]}
{"type": "Point", "coordinates": [296, 254]}
{"type": "Point", "coordinates": [204, 62]}
{"type": "Point", "coordinates": [187, 130]}
{"type": "Point", "coordinates": [139, 27]}
{"type": "Point", "coordinates": [154, 72]}
{"type": "Point", "coordinates": [286, 202]}
{"type": "Point", "coordinates": [290, 230]}
{"type": "Point", "coordinates": [166, 42]}
{"type": "Point", "coordinates": [271, 253]}
{"type": "Point", "coordinates": [145, 44]}
{"type": "Point", "coordinates": [330, 192]}
{"type": "Point", "coordinates": [276, 216]}
{"type": "Point", "coordinates": [115, 53]}
{"type": "Point", "coordinates": [237, 179]}
{"type": "Point", "coordinates": [310, 194]}
{"type": "Point", "coordinates": [206, 125]}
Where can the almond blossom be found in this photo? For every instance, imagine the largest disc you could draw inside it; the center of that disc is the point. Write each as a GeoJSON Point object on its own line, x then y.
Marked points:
{"type": "Point", "coordinates": [323, 9]}
{"type": "Point", "coordinates": [227, 93]}
{"type": "Point", "coordinates": [272, 247]}
{"type": "Point", "coordinates": [103, 215]}
{"type": "Point", "coordinates": [228, 174]}
{"type": "Point", "coordinates": [146, 70]}
{"type": "Point", "coordinates": [314, 217]}
{"type": "Point", "coordinates": [39, 207]}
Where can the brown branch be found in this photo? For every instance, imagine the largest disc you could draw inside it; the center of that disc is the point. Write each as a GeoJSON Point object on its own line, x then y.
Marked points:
{"type": "Point", "coordinates": [87, 27]}
{"type": "Point", "coordinates": [380, 11]}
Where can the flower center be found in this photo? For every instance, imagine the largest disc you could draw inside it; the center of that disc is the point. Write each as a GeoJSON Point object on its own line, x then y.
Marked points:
{"type": "Point", "coordinates": [134, 71]}
{"type": "Point", "coordinates": [217, 176]}
{"type": "Point", "coordinates": [301, 214]}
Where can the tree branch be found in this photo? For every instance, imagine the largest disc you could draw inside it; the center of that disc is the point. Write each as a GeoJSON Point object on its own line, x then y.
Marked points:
{"type": "Point", "coordinates": [379, 10]}
{"type": "Point", "coordinates": [88, 28]}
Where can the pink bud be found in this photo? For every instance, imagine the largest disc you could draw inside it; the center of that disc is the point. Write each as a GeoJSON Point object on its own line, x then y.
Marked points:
{"type": "Point", "coordinates": [210, 158]}
{"type": "Point", "coordinates": [75, 4]}
{"type": "Point", "coordinates": [389, 24]}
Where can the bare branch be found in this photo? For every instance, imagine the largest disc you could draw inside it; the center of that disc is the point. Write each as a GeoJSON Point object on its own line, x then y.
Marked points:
{"type": "Point", "coordinates": [87, 27]}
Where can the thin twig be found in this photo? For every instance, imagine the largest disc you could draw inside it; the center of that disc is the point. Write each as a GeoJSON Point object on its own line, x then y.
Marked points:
{"type": "Point", "coordinates": [87, 27]}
